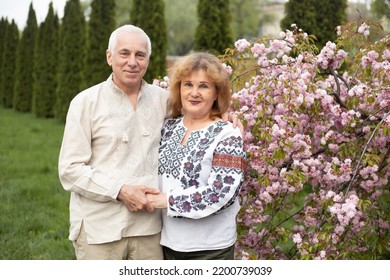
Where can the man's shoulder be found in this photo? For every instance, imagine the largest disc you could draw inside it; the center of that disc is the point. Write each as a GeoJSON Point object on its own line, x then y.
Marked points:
{"type": "Point", "coordinates": [88, 94]}
{"type": "Point", "coordinates": [156, 89]}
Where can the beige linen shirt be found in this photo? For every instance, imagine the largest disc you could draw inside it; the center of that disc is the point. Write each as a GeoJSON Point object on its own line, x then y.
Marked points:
{"type": "Point", "coordinates": [108, 143]}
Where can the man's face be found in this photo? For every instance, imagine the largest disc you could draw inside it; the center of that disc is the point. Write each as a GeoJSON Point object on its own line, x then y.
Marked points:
{"type": "Point", "coordinates": [129, 60]}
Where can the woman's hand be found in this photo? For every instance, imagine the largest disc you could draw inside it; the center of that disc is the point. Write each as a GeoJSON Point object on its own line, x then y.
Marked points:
{"type": "Point", "coordinates": [157, 200]}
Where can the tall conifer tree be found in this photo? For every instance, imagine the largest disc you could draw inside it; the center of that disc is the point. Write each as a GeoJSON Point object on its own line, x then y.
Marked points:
{"type": "Point", "coordinates": [135, 12]}
{"type": "Point", "coordinates": [72, 60]}
{"type": "Point", "coordinates": [4, 25]}
{"type": "Point", "coordinates": [8, 77]}
{"type": "Point", "coordinates": [330, 14]}
{"type": "Point", "coordinates": [149, 15]}
{"type": "Point", "coordinates": [214, 32]}
{"type": "Point", "coordinates": [38, 83]}
{"type": "Point", "coordinates": [100, 26]}
{"type": "Point", "coordinates": [9, 65]}
{"type": "Point", "coordinates": [319, 18]}
{"type": "Point", "coordinates": [46, 66]}
{"type": "Point", "coordinates": [8, 69]}
{"type": "Point", "coordinates": [381, 8]}
{"type": "Point", "coordinates": [24, 66]}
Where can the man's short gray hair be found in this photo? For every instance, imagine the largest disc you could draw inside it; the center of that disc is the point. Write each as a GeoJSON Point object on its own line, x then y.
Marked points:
{"type": "Point", "coordinates": [128, 28]}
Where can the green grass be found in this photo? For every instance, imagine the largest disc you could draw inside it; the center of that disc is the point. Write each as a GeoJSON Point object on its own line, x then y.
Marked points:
{"type": "Point", "coordinates": [34, 210]}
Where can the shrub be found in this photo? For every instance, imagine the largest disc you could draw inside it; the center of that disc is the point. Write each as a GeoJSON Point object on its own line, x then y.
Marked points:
{"type": "Point", "coordinates": [317, 141]}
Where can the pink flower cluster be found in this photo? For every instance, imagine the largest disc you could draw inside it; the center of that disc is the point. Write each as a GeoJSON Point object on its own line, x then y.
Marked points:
{"type": "Point", "coordinates": [344, 210]}
{"type": "Point", "coordinates": [364, 29]}
{"type": "Point", "coordinates": [330, 57]}
{"type": "Point", "coordinates": [163, 83]}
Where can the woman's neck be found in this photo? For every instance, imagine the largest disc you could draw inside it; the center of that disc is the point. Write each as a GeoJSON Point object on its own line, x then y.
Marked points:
{"type": "Point", "coordinates": [198, 123]}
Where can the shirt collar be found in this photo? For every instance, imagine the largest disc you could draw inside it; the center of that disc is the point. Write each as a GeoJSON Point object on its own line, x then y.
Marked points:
{"type": "Point", "coordinates": [117, 90]}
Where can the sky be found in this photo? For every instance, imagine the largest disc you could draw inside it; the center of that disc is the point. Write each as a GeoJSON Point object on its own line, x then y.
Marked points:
{"type": "Point", "coordinates": [18, 10]}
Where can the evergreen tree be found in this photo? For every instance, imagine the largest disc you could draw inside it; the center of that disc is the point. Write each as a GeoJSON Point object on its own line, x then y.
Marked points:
{"type": "Point", "coordinates": [8, 68]}
{"type": "Point", "coordinates": [100, 26]}
{"type": "Point", "coordinates": [46, 66]}
{"type": "Point", "coordinates": [135, 12]}
{"type": "Point", "coordinates": [326, 25]}
{"type": "Point", "coordinates": [302, 13]}
{"type": "Point", "coordinates": [4, 25]}
{"type": "Point", "coordinates": [72, 59]}
{"type": "Point", "coordinates": [24, 65]}
{"type": "Point", "coordinates": [381, 8]}
{"type": "Point", "coordinates": [247, 17]}
{"type": "Point", "coordinates": [181, 24]}
{"type": "Point", "coordinates": [214, 32]}
{"type": "Point", "coordinates": [38, 83]}
{"type": "Point", "coordinates": [149, 15]}
{"type": "Point", "coordinates": [319, 18]}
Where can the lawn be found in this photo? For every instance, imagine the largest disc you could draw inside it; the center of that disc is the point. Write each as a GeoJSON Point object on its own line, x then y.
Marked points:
{"type": "Point", "coordinates": [34, 217]}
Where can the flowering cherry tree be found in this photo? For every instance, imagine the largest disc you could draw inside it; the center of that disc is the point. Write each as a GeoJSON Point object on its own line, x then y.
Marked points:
{"type": "Point", "coordinates": [317, 137]}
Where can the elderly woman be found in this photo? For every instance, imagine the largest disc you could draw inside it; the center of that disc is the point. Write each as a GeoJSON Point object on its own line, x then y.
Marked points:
{"type": "Point", "coordinates": [201, 163]}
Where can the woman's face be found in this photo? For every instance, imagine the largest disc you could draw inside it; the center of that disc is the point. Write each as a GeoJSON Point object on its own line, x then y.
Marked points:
{"type": "Point", "coordinates": [198, 94]}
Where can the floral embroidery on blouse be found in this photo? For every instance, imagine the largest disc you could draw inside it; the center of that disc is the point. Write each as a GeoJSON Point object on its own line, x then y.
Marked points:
{"type": "Point", "coordinates": [206, 173]}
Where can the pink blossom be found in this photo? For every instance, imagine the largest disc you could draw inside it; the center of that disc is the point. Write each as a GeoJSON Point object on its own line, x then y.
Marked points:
{"type": "Point", "coordinates": [242, 44]}
{"type": "Point", "coordinates": [334, 148]}
{"type": "Point", "coordinates": [339, 230]}
{"type": "Point", "coordinates": [297, 239]}
{"type": "Point", "coordinates": [228, 68]}
{"type": "Point", "coordinates": [364, 29]}
{"type": "Point", "coordinates": [386, 54]}
{"type": "Point", "coordinates": [322, 254]}
{"type": "Point", "coordinates": [266, 197]}
{"type": "Point", "coordinates": [164, 83]}
{"type": "Point", "coordinates": [338, 30]}
{"type": "Point", "coordinates": [259, 50]}
{"type": "Point", "coordinates": [330, 194]}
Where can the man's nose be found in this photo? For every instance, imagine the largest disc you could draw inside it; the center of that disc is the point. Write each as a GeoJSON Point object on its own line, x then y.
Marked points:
{"type": "Point", "coordinates": [131, 61]}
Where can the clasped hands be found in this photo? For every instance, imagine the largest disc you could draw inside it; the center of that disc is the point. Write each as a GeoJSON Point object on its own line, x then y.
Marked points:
{"type": "Point", "coordinates": [141, 198]}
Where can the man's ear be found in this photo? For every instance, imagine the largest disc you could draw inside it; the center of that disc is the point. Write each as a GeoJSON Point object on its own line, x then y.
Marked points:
{"type": "Point", "coordinates": [108, 57]}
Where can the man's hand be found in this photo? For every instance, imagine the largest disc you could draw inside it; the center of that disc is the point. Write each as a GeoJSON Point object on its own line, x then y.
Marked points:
{"type": "Point", "coordinates": [134, 197]}
{"type": "Point", "coordinates": [235, 120]}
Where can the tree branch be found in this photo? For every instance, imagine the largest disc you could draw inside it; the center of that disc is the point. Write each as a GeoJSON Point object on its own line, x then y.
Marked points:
{"type": "Point", "coordinates": [337, 93]}
{"type": "Point", "coordinates": [364, 151]}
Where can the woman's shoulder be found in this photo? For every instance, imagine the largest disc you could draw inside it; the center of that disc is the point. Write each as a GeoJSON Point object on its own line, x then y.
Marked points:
{"type": "Point", "coordinates": [228, 128]}
{"type": "Point", "coordinates": [173, 121]}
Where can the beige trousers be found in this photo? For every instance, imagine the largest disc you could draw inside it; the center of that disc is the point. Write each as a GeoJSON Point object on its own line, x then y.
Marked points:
{"type": "Point", "coordinates": [128, 248]}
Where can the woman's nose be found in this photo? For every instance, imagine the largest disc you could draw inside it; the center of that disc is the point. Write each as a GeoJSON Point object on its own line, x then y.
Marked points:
{"type": "Point", "coordinates": [195, 92]}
